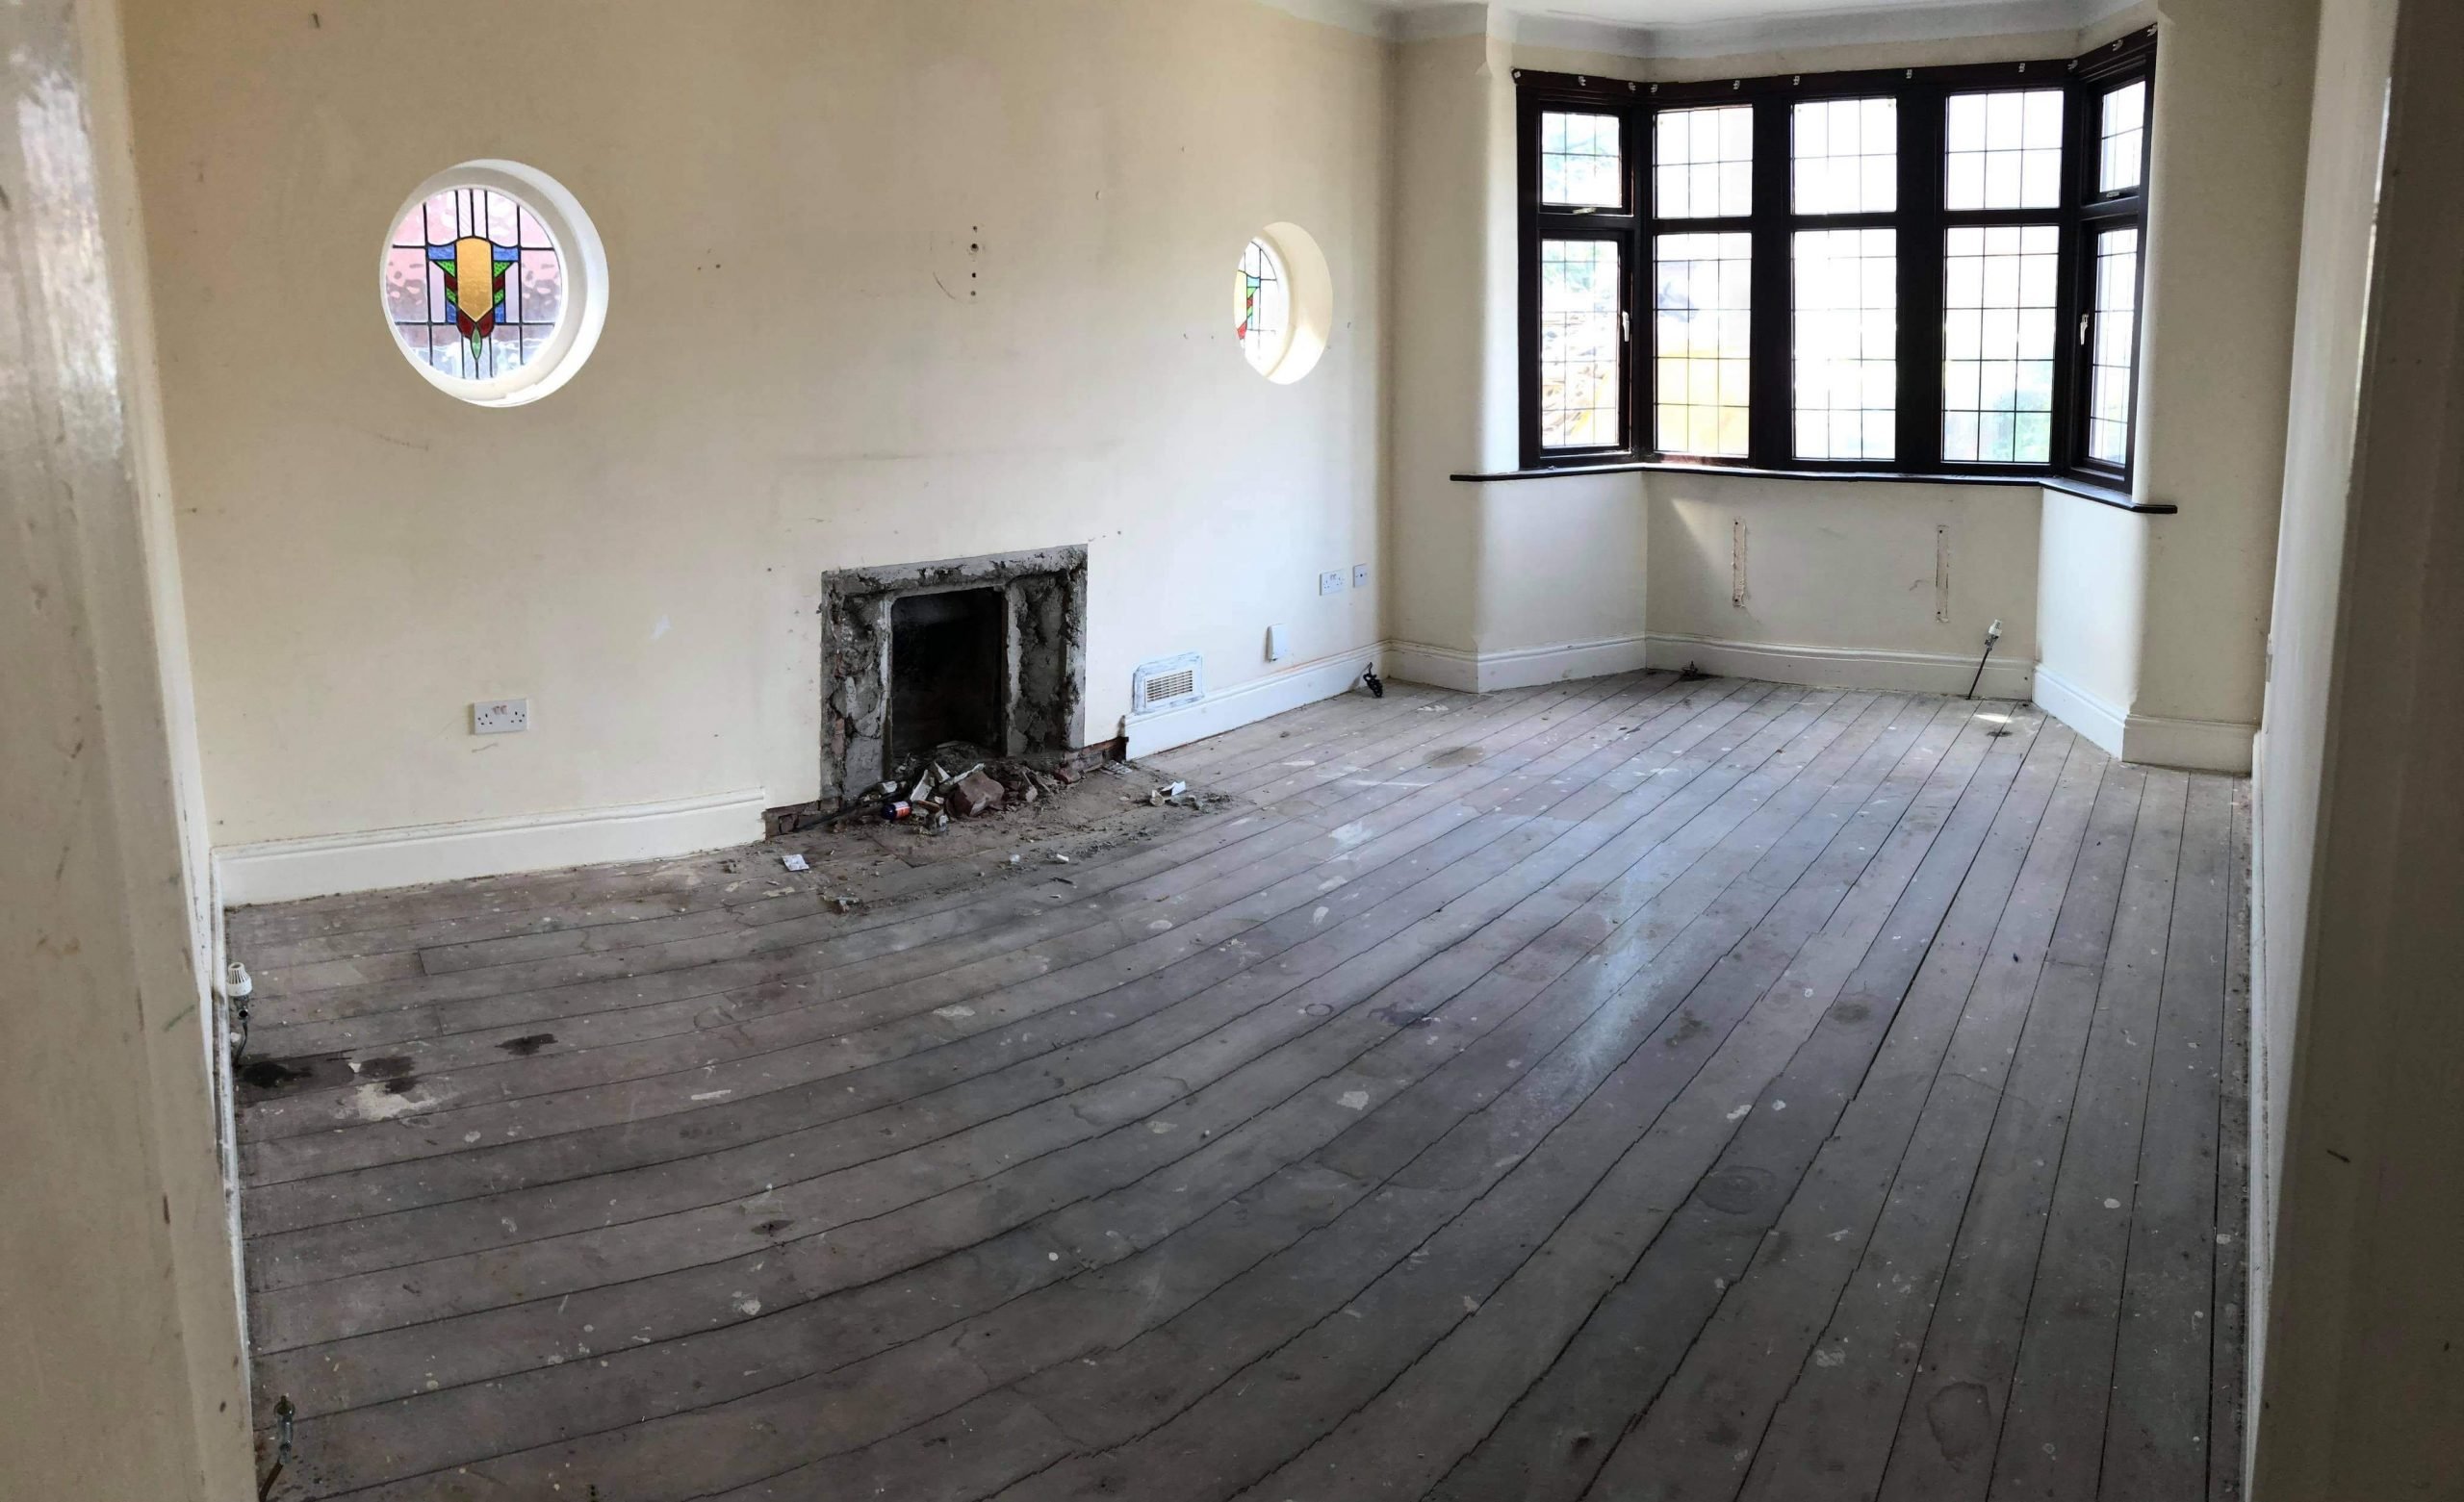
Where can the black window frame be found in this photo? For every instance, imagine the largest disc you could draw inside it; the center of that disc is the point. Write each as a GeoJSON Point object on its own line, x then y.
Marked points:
{"type": "Point", "coordinates": [2098, 74]}
{"type": "Point", "coordinates": [1920, 222]}
{"type": "Point", "coordinates": [1540, 222]}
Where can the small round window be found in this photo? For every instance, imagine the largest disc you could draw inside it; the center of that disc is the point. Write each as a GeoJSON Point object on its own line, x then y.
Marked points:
{"type": "Point", "coordinates": [1282, 302]}
{"type": "Point", "coordinates": [494, 283]}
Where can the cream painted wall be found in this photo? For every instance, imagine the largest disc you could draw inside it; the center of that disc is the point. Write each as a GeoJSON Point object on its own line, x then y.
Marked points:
{"type": "Point", "coordinates": [2357, 38]}
{"type": "Point", "coordinates": [2090, 595]}
{"type": "Point", "coordinates": [2225, 183]}
{"type": "Point", "coordinates": [122, 1374]}
{"type": "Point", "coordinates": [1496, 584]}
{"type": "Point", "coordinates": [804, 368]}
{"type": "Point", "coordinates": [1444, 416]}
{"type": "Point", "coordinates": [1553, 584]}
{"type": "Point", "coordinates": [1840, 580]}
{"type": "Point", "coordinates": [2361, 824]}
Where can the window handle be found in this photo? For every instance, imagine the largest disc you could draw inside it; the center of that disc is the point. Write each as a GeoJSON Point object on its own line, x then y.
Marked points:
{"type": "Point", "coordinates": [1626, 325]}
{"type": "Point", "coordinates": [2083, 328]}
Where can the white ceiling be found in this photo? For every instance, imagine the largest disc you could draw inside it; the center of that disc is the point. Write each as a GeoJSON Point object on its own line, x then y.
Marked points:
{"type": "Point", "coordinates": [1652, 14]}
{"type": "Point", "coordinates": [1679, 28]}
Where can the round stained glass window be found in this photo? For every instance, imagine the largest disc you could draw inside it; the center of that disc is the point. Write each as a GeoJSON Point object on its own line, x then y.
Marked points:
{"type": "Point", "coordinates": [1282, 302]}
{"type": "Point", "coordinates": [494, 283]}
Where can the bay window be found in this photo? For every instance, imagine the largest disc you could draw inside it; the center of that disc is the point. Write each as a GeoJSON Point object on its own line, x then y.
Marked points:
{"type": "Point", "coordinates": [1928, 271]}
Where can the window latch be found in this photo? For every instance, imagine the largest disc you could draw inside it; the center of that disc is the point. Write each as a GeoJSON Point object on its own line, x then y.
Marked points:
{"type": "Point", "coordinates": [1626, 325]}
{"type": "Point", "coordinates": [2083, 327]}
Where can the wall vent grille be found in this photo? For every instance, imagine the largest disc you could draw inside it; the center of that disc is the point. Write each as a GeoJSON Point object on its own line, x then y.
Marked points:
{"type": "Point", "coordinates": [1165, 682]}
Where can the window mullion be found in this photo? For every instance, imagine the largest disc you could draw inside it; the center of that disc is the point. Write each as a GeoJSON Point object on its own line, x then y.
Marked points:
{"type": "Point", "coordinates": [1638, 377]}
{"type": "Point", "coordinates": [1771, 407]}
{"type": "Point", "coordinates": [1920, 278]}
{"type": "Point", "coordinates": [2083, 130]}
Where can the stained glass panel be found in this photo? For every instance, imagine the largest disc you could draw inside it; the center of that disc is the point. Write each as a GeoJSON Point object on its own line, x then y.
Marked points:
{"type": "Point", "coordinates": [473, 283]}
{"type": "Point", "coordinates": [1262, 307]}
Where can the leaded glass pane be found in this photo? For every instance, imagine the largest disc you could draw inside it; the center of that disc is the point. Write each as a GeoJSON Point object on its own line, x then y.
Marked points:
{"type": "Point", "coordinates": [1702, 316]}
{"type": "Point", "coordinates": [1702, 163]}
{"type": "Point", "coordinates": [2003, 150]}
{"type": "Point", "coordinates": [1845, 156]}
{"type": "Point", "coordinates": [2121, 137]}
{"type": "Point", "coordinates": [2113, 345]}
{"type": "Point", "coordinates": [1847, 343]}
{"type": "Point", "coordinates": [1582, 163]}
{"type": "Point", "coordinates": [1262, 307]}
{"type": "Point", "coordinates": [1998, 286]}
{"type": "Point", "coordinates": [473, 283]}
{"type": "Point", "coordinates": [1582, 344]}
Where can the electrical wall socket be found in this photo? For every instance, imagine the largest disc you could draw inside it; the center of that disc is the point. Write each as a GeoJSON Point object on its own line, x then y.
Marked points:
{"type": "Point", "coordinates": [1360, 576]}
{"type": "Point", "coordinates": [499, 716]}
{"type": "Point", "coordinates": [1331, 582]}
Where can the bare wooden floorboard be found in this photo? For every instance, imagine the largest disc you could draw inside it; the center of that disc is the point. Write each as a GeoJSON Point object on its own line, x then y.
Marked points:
{"type": "Point", "coordinates": [2229, 1329]}
{"type": "Point", "coordinates": [1413, 1429]}
{"type": "Point", "coordinates": [1223, 842]}
{"type": "Point", "coordinates": [1472, 1201]}
{"type": "Point", "coordinates": [776, 1048]}
{"type": "Point", "coordinates": [1559, 1433]}
{"type": "Point", "coordinates": [775, 1006]}
{"type": "Point", "coordinates": [1622, 1088]}
{"type": "Point", "coordinates": [2156, 1434]}
{"type": "Point", "coordinates": [1328, 1111]}
{"type": "Point", "coordinates": [2053, 1431]}
{"type": "Point", "coordinates": [1951, 1417]}
{"type": "Point", "coordinates": [536, 1162]}
{"type": "Point", "coordinates": [1707, 1426]}
{"type": "Point", "coordinates": [442, 1003]}
{"type": "Point", "coordinates": [1441, 929]}
{"type": "Point", "coordinates": [756, 1156]}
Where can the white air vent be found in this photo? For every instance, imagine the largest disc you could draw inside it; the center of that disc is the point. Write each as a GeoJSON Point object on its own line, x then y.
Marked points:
{"type": "Point", "coordinates": [1167, 681]}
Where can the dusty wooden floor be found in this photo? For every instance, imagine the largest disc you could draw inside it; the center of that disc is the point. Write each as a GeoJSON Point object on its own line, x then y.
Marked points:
{"type": "Point", "coordinates": [1631, 1089]}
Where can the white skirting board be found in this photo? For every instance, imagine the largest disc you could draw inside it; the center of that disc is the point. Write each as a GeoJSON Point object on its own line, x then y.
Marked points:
{"type": "Point", "coordinates": [1486, 672]}
{"type": "Point", "coordinates": [2151, 740]}
{"type": "Point", "coordinates": [2198, 745]}
{"type": "Point", "coordinates": [1244, 703]}
{"type": "Point", "coordinates": [281, 871]}
{"type": "Point", "coordinates": [1844, 667]}
{"type": "Point", "coordinates": [2100, 721]}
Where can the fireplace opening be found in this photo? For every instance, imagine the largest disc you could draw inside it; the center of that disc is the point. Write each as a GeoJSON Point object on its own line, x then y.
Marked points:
{"type": "Point", "coordinates": [946, 654]}
{"type": "Point", "coordinates": [989, 650]}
